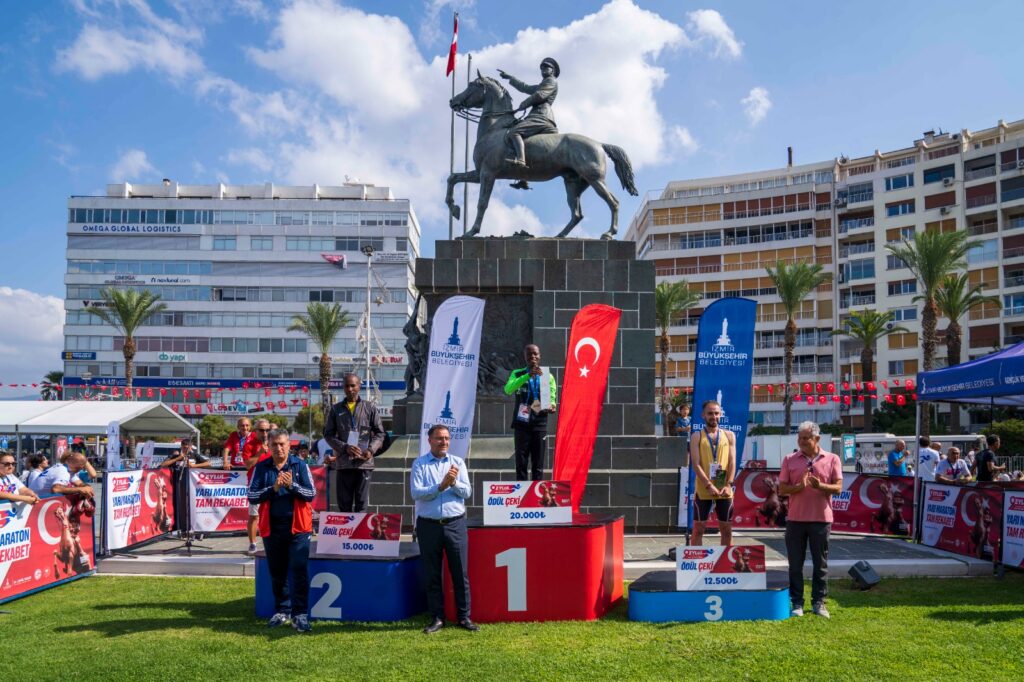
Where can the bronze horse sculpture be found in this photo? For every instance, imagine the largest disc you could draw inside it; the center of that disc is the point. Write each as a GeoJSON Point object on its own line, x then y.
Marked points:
{"type": "Point", "coordinates": [578, 160]}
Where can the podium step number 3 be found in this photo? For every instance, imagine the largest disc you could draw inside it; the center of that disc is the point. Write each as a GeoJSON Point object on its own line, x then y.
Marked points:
{"type": "Point", "coordinates": [514, 560]}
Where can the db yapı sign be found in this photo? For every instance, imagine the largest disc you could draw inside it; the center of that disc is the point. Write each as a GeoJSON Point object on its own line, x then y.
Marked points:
{"type": "Point", "coordinates": [172, 357]}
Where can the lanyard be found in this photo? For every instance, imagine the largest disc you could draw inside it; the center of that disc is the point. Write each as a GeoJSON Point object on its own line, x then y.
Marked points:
{"type": "Point", "coordinates": [713, 444]}
{"type": "Point", "coordinates": [533, 392]}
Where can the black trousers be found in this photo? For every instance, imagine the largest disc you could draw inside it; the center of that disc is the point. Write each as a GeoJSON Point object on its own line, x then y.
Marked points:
{"type": "Point", "coordinates": [800, 535]}
{"type": "Point", "coordinates": [353, 487]}
{"type": "Point", "coordinates": [288, 553]}
{"type": "Point", "coordinates": [530, 446]}
{"type": "Point", "coordinates": [437, 541]}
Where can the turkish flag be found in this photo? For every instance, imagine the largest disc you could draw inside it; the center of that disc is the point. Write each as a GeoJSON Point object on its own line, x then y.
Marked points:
{"type": "Point", "coordinates": [588, 355]}
{"type": "Point", "coordinates": [454, 48]}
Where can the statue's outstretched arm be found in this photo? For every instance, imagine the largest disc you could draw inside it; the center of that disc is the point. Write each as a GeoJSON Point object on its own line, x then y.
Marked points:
{"type": "Point", "coordinates": [539, 93]}
{"type": "Point", "coordinates": [519, 85]}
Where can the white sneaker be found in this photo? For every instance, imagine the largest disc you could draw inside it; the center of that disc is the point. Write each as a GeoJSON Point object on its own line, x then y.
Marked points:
{"type": "Point", "coordinates": [252, 549]}
{"type": "Point", "coordinates": [279, 619]}
{"type": "Point", "coordinates": [797, 611]}
{"type": "Point", "coordinates": [821, 610]}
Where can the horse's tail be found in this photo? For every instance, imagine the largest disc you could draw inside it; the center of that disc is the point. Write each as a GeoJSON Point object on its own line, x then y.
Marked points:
{"type": "Point", "coordinates": [623, 168]}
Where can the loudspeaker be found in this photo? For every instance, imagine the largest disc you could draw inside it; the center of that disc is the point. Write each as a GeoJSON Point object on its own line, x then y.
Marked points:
{"type": "Point", "coordinates": [864, 577]}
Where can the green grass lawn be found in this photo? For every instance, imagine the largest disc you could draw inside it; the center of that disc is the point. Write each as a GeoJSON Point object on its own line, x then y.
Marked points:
{"type": "Point", "coordinates": [204, 629]}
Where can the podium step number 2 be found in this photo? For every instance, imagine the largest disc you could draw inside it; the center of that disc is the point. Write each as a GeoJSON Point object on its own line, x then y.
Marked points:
{"type": "Point", "coordinates": [324, 607]}
{"type": "Point", "coordinates": [514, 560]}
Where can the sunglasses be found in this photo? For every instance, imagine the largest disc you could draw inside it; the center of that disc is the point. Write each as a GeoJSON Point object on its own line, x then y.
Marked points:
{"type": "Point", "coordinates": [263, 430]}
{"type": "Point", "coordinates": [6, 464]}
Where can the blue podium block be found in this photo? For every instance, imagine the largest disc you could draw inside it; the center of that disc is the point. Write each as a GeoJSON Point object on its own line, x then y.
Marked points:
{"type": "Point", "coordinates": [354, 588]}
{"type": "Point", "coordinates": [654, 599]}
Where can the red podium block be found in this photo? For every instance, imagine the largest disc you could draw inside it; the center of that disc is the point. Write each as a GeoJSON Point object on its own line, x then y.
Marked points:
{"type": "Point", "coordinates": [536, 573]}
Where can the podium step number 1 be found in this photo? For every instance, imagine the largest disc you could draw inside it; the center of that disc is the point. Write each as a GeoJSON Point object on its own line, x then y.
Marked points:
{"type": "Point", "coordinates": [514, 560]}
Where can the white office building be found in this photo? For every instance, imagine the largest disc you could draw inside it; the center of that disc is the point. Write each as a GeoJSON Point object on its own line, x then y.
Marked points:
{"type": "Point", "coordinates": [235, 264]}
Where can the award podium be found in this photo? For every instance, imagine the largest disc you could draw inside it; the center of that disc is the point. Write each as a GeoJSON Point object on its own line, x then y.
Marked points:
{"type": "Point", "coordinates": [543, 572]}
{"type": "Point", "coordinates": [354, 588]}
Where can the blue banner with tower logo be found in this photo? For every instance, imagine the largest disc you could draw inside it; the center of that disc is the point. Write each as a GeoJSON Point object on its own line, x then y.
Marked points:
{"type": "Point", "coordinates": [724, 367]}
{"type": "Point", "coordinates": [449, 397]}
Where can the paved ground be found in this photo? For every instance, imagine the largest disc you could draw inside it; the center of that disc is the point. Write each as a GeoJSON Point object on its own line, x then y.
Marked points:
{"type": "Point", "coordinates": [225, 556]}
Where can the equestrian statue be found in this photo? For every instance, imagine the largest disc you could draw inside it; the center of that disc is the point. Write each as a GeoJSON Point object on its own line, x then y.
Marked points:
{"type": "Point", "coordinates": [531, 148]}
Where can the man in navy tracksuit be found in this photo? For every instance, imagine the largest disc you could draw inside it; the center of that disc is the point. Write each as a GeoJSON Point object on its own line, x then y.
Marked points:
{"type": "Point", "coordinates": [283, 488]}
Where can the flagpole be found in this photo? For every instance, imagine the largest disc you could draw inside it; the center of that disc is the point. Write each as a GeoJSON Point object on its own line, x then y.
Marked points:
{"type": "Point", "coordinates": [451, 147]}
{"type": "Point", "coordinates": [465, 162]}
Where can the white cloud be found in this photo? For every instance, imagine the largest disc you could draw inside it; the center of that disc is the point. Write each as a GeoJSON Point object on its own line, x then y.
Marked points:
{"type": "Point", "coordinates": [253, 157]}
{"type": "Point", "coordinates": [99, 52]}
{"type": "Point", "coordinates": [132, 166]}
{"type": "Point", "coordinates": [756, 105]}
{"type": "Point", "coordinates": [684, 141]}
{"type": "Point", "coordinates": [708, 25]}
{"type": "Point", "coordinates": [435, 27]}
{"type": "Point", "coordinates": [33, 335]}
{"type": "Point", "coordinates": [252, 8]}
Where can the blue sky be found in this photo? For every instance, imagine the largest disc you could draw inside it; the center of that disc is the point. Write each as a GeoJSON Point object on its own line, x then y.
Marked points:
{"type": "Point", "coordinates": [98, 91]}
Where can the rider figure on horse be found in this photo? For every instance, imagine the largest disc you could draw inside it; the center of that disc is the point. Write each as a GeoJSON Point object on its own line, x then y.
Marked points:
{"type": "Point", "coordinates": [540, 120]}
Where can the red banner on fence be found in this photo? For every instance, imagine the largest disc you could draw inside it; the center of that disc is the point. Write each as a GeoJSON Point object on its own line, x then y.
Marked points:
{"type": "Point", "coordinates": [965, 520]}
{"type": "Point", "coordinates": [319, 474]}
{"type": "Point", "coordinates": [139, 506]}
{"type": "Point", "coordinates": [220, 499]}
{"type": "Point", "coordinates": [43, 544]}
{"type": "Point", "coordinates": [588, 356]}
{"type": "Point", "coordinates": [877, 505]}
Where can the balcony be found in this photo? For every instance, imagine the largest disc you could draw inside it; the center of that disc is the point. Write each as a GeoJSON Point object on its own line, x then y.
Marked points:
{"type": "Point", "coordinates": [1014, 311]}
{"type": "Point", "coordinates": [824, 206]}
{"type": "Point", "coordinates": [683, 245]}
{"type": "Point", "coordinates": [853, 249]}
{"type": "Point", "coordinates": [979, 173]}
{"type": "Point", "coordinates": [763, 238]}
{"type": "Point", "coordinates": [824, 233]}
{"type": "Point", "coordinates": [1014, 253]}
{"type": "Point", "coordinates": [759, 212]}
{"type": "Point", "coordinates": [985, 200]}
{"type": "Point", "coordinates": [1012, 195]}
{"type": "Point", "coordinates": [854, 224]}
{"type": "Point", "coordinates": [782, 317]}
{"type": "Point", "coordinates": [985, 227]}
{"type": "Point", "coordinates": [858, 300]}
{"type": "Point", "coordinates": [860, 197]}
{"type": "Point", "coordinates": [1010, 166]}
{"type": "Point", "coordinates": [1014, 223]}
{"type": "Point", "coordinates": [1017, 281]}
{"type": "Point", "coordinates": [664, 271]}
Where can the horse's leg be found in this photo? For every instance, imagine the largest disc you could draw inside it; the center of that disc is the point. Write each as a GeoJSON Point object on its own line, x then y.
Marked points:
{"type": "Point", "coordinates": [454, 179]}
{"type": "Point", "coordinates": [574, 187]}
{"type": "Point", "coordinates": [486, 185]}
{"type": "Point", "coordinates": [613, 204]}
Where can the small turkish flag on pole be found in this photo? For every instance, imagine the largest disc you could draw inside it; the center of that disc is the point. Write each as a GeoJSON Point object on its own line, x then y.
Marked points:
{"type": "Point", "coordinates": [454, 48]}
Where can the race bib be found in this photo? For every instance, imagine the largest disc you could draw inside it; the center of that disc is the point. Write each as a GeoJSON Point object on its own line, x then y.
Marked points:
{"type": "Point", "coordinates": [353, 438]}
{"type": "Point", "coordinates": [523, 414]}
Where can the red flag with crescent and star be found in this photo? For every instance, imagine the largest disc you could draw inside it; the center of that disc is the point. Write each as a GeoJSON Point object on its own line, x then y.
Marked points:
{"type": "Point", "coordinates": [587, 358]}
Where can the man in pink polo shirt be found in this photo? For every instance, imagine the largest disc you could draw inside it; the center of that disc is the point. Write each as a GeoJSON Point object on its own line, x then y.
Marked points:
{"type": "Point", "coordinates": [810, 476]}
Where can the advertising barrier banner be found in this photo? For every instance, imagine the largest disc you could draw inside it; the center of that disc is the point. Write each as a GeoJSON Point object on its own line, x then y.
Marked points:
{"type": "Point", "coordinates": [526, 503]}
{"type": "Point", "coordinates": [139, 506]}
{"type": "Point", "coordinates": [220, 500]}
{"type": "Point", "coordinates": [44, 544]}
{"type": "Point", "coordinates": [964, 520]}
{"type": "Point", "coordinates": [321, 501]}
{"type": "Point", "coordinates": [876, 505]}
{"type": "Point", "coordinates": [1013, 528]}
{"type": "Point", "coordinates": [734, 567]}
{"type": "Point", "coordinates": [359, 534]}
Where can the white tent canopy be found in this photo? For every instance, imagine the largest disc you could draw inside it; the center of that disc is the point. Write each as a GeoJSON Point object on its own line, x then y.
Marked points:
{"type": "Point", "coordinates": [81, 417]}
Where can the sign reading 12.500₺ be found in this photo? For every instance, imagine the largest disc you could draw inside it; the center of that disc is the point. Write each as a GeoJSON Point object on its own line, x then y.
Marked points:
{"type": "Point", "coordinates": [526, 503]}
{"type": "Point", "coordinates": [707, 569]}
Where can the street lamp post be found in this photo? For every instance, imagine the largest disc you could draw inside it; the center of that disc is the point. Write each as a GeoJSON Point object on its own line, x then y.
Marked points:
{"type": "Point", "coordinates": [368, 252]}
{"type": "Point", "coordinates": [86, 376]}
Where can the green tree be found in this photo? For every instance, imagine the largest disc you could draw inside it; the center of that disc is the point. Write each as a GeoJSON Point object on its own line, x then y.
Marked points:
{"type": "Point", "coordinates": [1011, 435]}
{"type": "Point", "coordinates": [670, 299]}
{"type": "Point", "coordinates": [932, 256]}
{"type": "Point", "coordinates": [869, 327]}
{"type": "Point", "coordinates": [301, 423]}
{"type": "Point", "coordinates": [126, 310]}
{"type": "Point", "coordinates": [321, 324]}
{"type": "Point", "coordinates": [50, 388]}
{"type": "Point", "coordinates": [955, 298]}
{"type": "Point", "coordinates": [794, 282]}
{"type": "Point", "coordinates": [213, 431]}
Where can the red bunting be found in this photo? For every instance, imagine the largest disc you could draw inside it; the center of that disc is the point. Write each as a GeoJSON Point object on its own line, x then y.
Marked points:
{"type": "Point", "coordinates": [822, 399]}
{"type": "Point", "coordinates": [846, 385]}
{"type": "Point", "coordinates": [798, 398]}
{"type": "Point", "coordinates": [901, 399]}
{"type": "Point", "coordinates": [163, 391]}
{"type": "Point", "coordinates": [885, 384]}
{"type": "Point", "coordinates": [888, 397]}
{"type": "Point", "coordinates": [860, 398]}
{"type": "Point", "coordinates": [305, 403]}
{"type": "Point", "coordinates": [847, 400]}
{"type": "Point", "coordinates": [910, 384]}
{"type": "Point", "coordinates": [771, 389]}
{"type": "Point", "coordinates": [149, 393]}
{"type": "Point", "coordinates": [831, 387]}
{"type": "Point", "coordinates": [209, 394]}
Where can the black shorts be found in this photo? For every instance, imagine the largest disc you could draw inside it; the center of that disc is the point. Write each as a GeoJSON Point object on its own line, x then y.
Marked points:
{"type": "Point", "coordinates": [723, 509]}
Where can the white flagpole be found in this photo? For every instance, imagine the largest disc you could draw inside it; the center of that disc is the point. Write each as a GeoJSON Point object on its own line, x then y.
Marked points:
{"type": "Point", "coordinates": [465, 161]}
{"type": "Point", "coordinates": [451, 157]}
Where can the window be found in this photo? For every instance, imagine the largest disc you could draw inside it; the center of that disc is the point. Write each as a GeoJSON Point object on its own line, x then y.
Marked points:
{"type": "Point", "coordinates": [904, 314]}
{"type": "Point", "coordinates": [903, 287]}
{"type": "Point", "coordinates": [894, 263]}
{"type": "Point", "coordinates": [1013, 304]}
{"type": "Point", "coordinates": [899, 182]}
{"type": "Point", "coordinates": [356, 243]}
{"type": "Point", "coordinates": [860, 269]}
{"type": "Point", "coordinates": [224, 243]}
{"type": "Point", "coordinates": [900, 208]}
{"type": "Point", "coordinates": [261, 243]}
{"type": "Point", "coordinates": [939, 174]}
{"type": "Point", "coordinates": [983, 252]}
{"type": "Point", "coordinates": [860, 192]}
{"type": "Point", "coordinates": [401, 244]}
{"type": "Point", "coordinates": [896, 368]}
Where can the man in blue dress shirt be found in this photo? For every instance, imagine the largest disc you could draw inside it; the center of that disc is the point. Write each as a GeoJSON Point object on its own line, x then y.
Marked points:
{"type": "Point", "coordinates": [440, 486]}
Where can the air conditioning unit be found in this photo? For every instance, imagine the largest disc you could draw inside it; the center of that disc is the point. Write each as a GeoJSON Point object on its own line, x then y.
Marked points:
{"type": "Point", "coordinates": [948, 182]}
{"type": "Point", "coordinates": [1020, 164]}
{"type": "Point", "coordinates": [841, 201]}
{"type": "Point", "coordinates": [945, 210]}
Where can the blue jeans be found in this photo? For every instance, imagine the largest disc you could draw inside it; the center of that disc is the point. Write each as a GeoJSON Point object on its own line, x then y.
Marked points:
{"type": "Point", "coordinates": [288, 553]}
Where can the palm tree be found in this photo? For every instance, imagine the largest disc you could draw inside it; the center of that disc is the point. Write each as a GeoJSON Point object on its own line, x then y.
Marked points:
{"type": "Point", "coordinates": [321, 324]}
{"type": "Point", "coordinates": [869, 327]}
{"type": "Point", "coordinates": [670, 299]}
{"type": "Point", "coordinates": [955, 298]}
{"type": "Point", "coordinates": [932, 256]}
{"type": "Point", "coordinates": [126, 310]}
{"type": "Point", "coordinates": [50, 387]}
{"type": "Point", "coordinates": [794, 282]}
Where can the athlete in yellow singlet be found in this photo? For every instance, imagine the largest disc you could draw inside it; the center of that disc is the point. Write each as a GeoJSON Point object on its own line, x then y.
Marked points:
{"type": "Point", "coordinates": [715, 474]}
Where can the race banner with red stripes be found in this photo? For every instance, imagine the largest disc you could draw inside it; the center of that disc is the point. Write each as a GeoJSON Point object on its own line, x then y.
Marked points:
{"type": "Point", "coordinates": [965, 520]}
{"type": "Point", "coordinates": [44, 544]}
{"type": "Point", "coordinates": [588, 356]}
{"type": "Point", "coordinates": [220, 499]}
{"type": "Point", "coordinates": [139, 506]}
